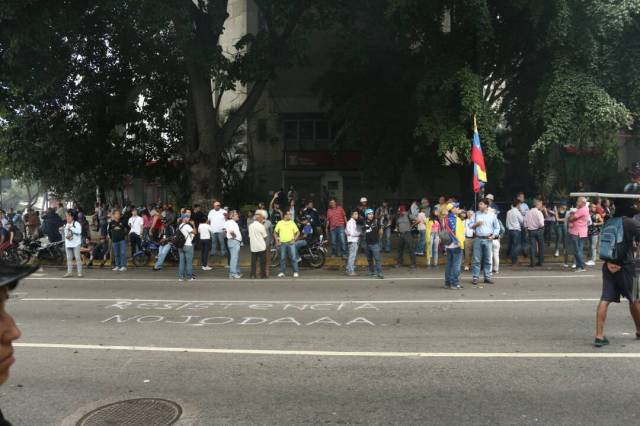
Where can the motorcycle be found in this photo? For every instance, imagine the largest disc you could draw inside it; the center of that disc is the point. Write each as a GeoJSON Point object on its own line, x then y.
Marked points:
{"type": "Point", "coordinates": [52, 252]}
{"type": "Point", "coordinates": [313, 254]}
{"type": "Point", "coordinates": [151, 248]}
{"type": "Point", "coordinates": [15, 255]}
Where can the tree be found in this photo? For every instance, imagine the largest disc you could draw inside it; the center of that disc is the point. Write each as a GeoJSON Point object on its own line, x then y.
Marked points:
{"type": "Point", "coordinates": [131, 81]}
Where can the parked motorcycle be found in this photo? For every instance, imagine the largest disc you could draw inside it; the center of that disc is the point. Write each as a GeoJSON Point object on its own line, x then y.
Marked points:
{"type": "Point", "coordinates": [51, 252]}
{"type": "Point", "coordinates": [15, 255]}
{"type": "Point", "coordinates": [313, 254]}
{"type": "Point", "coordinates": [151, 248]}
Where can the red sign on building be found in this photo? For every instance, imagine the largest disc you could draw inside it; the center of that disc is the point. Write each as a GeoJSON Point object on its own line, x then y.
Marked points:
{"type": "Point", "coordinates": [322, 160]}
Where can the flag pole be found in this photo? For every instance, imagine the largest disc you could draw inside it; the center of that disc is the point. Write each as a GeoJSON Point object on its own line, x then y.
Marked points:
{"type": "Point", "coordinates": [475, 194]}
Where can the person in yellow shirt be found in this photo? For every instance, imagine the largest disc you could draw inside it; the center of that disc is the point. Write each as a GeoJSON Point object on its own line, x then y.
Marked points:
{"type": "Point", "coordinates": [286, 234]}
{"type": "Point", "coordinates": [454, 243]}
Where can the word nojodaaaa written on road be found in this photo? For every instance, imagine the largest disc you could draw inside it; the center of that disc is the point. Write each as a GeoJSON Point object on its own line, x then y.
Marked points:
{"type": "Point", "coordinates": [208, 319]}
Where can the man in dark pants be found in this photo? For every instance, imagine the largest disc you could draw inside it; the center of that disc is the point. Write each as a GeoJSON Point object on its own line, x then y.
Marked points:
{"type": "Point", "coordinates": [619, 277]}
{"type": "Point", "coordinates": [258, 244]}
{"type": "Point", "coordinates": [515, 223]}
{"type": "Point", "coordinates": [405, 241]}
{"type": "Point", "coordinates": [534, 223]}
{"type": "Point", "coordinates": [9, 277]}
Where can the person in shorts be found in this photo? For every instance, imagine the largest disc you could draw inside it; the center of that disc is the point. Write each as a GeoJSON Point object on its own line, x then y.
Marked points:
{"type": "Point", "coordinates": [620, 278]}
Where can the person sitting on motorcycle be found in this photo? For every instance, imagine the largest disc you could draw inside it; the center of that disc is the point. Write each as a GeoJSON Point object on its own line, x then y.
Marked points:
{"type": "Point", "coordinates": [99, 252]}
{"type": "Point", "coordinates": [163, 251]}
{"type": "Point", "coordinates": [6, 237]}
{"type": "Point", "coordinates": [307, 236]}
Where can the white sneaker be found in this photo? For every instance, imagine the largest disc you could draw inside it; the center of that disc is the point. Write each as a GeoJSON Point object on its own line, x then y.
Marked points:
{"type": "Point", "coordinates": [124, 268]}
{"type": "Point", "coordinates": [295, 275]}
{"type": "Point", "coordinates": [557, 253]}
{"type": "Point", "coordinates": [67, 275]}
{"type": "Point", "coordinates": [116, 269]}
{"type": "Point", "coordinates": [466, 268]}
{"type": "Point", "coordinates": [565, 265]}
{"type": "Point", "coordinates": [573, 266]}
{"type": "Point", "coordinates": [281, 274]}
{"type": "Point", "coordinates": [590, 263]}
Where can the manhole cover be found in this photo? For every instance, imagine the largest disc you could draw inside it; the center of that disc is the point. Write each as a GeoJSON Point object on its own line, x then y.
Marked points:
{"type": "Point", "coordinates": [134, 412]}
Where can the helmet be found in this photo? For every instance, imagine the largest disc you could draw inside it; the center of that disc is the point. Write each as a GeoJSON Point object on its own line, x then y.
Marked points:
{"type": "Point", "coordinates": [368, 211]}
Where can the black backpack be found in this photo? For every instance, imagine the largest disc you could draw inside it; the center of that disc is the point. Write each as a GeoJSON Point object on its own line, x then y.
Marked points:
{"type": "Point", "coordinates": [179, 240]}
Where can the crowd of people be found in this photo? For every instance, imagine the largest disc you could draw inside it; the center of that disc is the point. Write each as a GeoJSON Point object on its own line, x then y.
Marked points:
{"type": "Point", "coordinates": [469, 239]}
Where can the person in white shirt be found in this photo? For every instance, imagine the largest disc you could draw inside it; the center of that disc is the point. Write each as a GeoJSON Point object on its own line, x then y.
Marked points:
{"type": "Point", "coordinates": [204, 231]}
{"type": "Point", "coordinates": [353, 239]}
{"type": "Point", "coordinates": [234, 241]}
{"type": "Point", "coordinates": [515, 223]}
{"type": "Point", "coordinates": [468, 238]}
{"type": "Point", "coordinates": [258, 243]}
{"type": "Point", "coordinates": [136, 225]}
{"type": "Point", "coordinates": [72, 240]}
{"type": "Point", "coordinates": [185, 269]}
{"type": "Point", "coordinates": [216, 221]}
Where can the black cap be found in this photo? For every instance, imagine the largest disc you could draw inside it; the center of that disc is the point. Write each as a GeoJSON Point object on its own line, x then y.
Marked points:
{"type": "Point", "coordinates": [11, 274]}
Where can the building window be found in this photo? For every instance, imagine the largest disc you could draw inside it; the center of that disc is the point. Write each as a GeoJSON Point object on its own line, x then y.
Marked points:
{"type": "Point", "coordinates": [307, 131]}
{"type": "Point", "coordinates": [291, 130]}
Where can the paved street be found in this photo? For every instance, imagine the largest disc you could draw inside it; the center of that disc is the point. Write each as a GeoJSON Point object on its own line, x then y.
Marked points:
{"type": "Point", "coordinates": [323, 349]}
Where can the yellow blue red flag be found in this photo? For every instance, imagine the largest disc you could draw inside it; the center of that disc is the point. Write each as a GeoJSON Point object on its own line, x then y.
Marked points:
{"type": "Point", "coordinates": [479, 169]}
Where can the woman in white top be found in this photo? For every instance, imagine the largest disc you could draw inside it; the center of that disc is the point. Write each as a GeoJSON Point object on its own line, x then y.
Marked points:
{"type": "Point", "coordinates": [234, 241]}
{"type": "Point", "coordinates": [204, 230]}
{"type": "Point", "coordinates": [421, 225]}
{"type": "Point", "coordinates": [72, 240]}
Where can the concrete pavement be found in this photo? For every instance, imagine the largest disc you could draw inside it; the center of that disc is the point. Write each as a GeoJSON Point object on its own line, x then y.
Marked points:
{"type": "Point", "coordinates": [323, 349]}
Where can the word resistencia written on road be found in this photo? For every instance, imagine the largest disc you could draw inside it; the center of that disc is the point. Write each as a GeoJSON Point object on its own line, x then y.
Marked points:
{"type": "Point", "coordinates": [209, 314]}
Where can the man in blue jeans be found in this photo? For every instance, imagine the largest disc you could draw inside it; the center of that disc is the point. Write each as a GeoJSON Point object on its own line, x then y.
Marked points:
{"type": "Point", "coordinates": [486, 228]}
{"type": "Point", "coordinates": [455, 228]}
{"type": "Point", "coordinates": [336, 222]}
{"type": "Point", "coordinates": [117, 231]}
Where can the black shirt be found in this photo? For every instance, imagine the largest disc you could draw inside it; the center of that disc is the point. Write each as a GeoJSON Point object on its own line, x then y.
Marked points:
{"type": "Point", "coordinates": [117, 231]}
{"type": "Point", "coordinates": [199, 217]}
{"type": "Point", "coordinates": [631, 229]}
{"type": "Point", "coordinates": [371, 231]}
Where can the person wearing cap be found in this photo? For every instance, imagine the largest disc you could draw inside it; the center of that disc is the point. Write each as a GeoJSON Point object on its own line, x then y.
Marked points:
{"type": "Point", "coordinates": [405, 241]}
{"type": "Point", "coordinates": [10, 275]}
{"type": "Point", "coordinates": [492, 204]}
{"type": "Point", "coordinates": [486, 228]}
{"type": "Point", "coordinates": [258, 244]}
{"type": "Point", "coordinates": [185, 266]}
{"type": "Point", "coordinates": [373, 231]}
{"type": "Point", "coordinates": [455, 228]}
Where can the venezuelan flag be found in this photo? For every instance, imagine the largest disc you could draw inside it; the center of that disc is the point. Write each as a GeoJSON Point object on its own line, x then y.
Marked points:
{"type": "Point", "coordinates": [479, 169]}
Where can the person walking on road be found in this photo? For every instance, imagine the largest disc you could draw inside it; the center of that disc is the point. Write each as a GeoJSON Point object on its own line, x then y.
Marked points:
{"type": "Point", "coordinates": [118, 233]}
{"type": "Point", "coordinates": [534, 223]}
{"type": "Point", "coordinates": [185, 267]}
{"type": "Point", "coordinates": [258, 244]}
{"type": "Point", "coordinates": [353, 238]}
{"type": "Point", "coordinates": [578, 227]}
{"type": "Point", "coordinates": [286, 233]}
{"type": "Point", "coordinates": [234, 242]}
{"type": "Point", "coordinates": [373, 232]}
{"type": "Point", "coordinates": [72, 242]}
{"type": "Point", "coordinates": [486, 228]}
{"type": "Point", "coordinates": [454, 228]}
{"type": "Point", "coordinates": [336, 222]}
{"type": "Point", "coordinates": [619, 276]}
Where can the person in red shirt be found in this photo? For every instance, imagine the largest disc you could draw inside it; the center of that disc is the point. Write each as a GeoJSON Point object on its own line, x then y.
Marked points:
{"type": "Point", "coordinates": [336, 222]}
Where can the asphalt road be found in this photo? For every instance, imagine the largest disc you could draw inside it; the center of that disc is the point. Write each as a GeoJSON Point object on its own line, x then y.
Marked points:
{"type": "Point", "coordinates": [323, 349]}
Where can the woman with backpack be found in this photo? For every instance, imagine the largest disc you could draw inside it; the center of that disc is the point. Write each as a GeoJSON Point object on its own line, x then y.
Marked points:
{"type": "Point", "coordinates": [72, 232]}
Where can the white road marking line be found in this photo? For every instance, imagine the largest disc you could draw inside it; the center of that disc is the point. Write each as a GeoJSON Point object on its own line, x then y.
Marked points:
{"type": "Point", "coordinates": [338, 353]}
{"type": "Point", "coordinates": [379, 302]}
{"type": "Point", "coordinates": [303, 280]}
